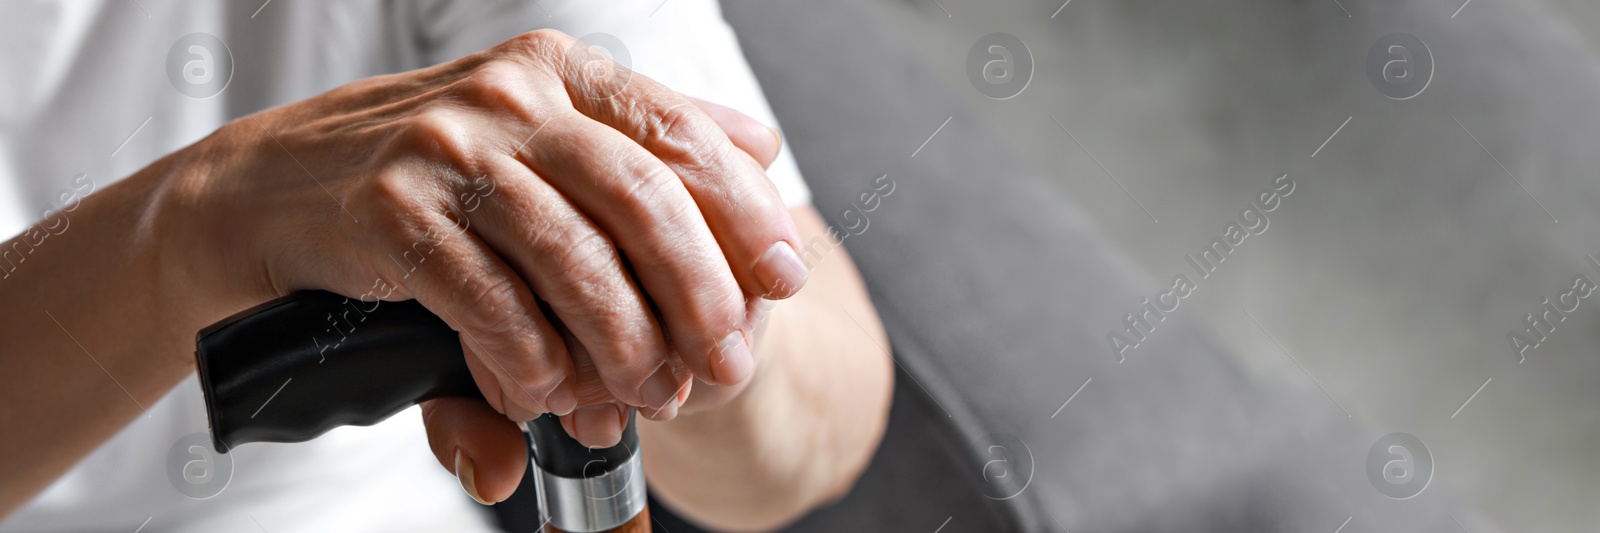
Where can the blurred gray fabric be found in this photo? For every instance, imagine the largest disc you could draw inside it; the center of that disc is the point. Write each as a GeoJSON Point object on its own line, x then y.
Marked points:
{"type": "Point", "coordinates": [1385, 287]}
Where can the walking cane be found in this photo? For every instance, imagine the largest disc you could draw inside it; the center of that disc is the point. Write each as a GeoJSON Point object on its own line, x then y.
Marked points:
{"type": "Point", "coordinates": [294, 368]}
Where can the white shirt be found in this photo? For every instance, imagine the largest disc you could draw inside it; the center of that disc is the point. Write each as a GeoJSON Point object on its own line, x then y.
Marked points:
{"type": "Point", "coordinates": [85, 90]}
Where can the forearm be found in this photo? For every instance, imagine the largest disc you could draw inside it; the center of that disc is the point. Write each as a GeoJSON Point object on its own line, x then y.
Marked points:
{"type": "Point", "coordinates": [806, 426]}
{"type": "Point", "coordinates": [99, 325]}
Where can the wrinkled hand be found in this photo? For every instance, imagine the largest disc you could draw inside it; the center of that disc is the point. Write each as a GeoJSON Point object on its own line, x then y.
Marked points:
{"type": "Point", "coordinates": [492, 453]}
{"type": "Point", "coordinates": [530, 177]}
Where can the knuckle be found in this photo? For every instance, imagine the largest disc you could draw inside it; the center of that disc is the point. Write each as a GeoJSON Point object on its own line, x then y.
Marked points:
{"type": "Point", "coordinates": [716, 311]}
{"type": "Point", "coordinates": [726, 307]}
{"type": "Point", "coordinates": [498, 309]}
{"type": "Point", "coordinates": [593, 284]}
{"type": "Point", "coordinates": [436, 131]}
{"type": "Point", "coordinates": [683, 132]}
{"type": "Point", "coordinates": [633, 353]}
{"type": "Point", "coordinates": [694, 326]}
{"type": "Point", "coordinates": [649, 197]}
{"type": "Point", "coordinates": [393, 195]}
{"type": "Point", "coordinates": [493, 83]}
{"type": "Point", "coordinates": [536, 42]}
{"type": "Point", "coordinates": [534, 380]}
{"type": "Point", "coordinates": [506, 88]}
{"type": "Point", "coordinates": [530, 365]}
{"type": "Point", "coordinates": [586, 259]}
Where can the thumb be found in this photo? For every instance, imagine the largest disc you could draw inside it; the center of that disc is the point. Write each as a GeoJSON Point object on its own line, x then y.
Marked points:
{"type": "Point", "coordinates": [483, 448]}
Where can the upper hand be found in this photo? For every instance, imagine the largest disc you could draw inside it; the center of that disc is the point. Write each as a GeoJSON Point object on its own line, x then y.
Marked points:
{"type": "Point", "coordinates": [465, 434]}
{"type": "Point", "coordinates": [474, 185]}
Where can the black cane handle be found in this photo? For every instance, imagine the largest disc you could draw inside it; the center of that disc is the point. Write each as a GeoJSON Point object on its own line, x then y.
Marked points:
{"type": "Point", "coordinates": [294, 368]}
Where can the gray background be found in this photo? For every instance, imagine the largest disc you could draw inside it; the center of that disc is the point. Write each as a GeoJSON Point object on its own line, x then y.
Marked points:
{"type": "Point", "coordinates": [1394, 272]}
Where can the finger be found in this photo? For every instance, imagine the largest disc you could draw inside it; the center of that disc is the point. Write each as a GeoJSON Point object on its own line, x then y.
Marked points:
{"type": "Point", "coordinates": [564, 257]}
{"type": "Point", "coordinates": [487, 381]}
{"type": "Point", "coordinates": [711, 396]}
{"type": "Point", "coordinates": [599, 420]}
{"type": "Point", "coordinates": [485, 450]}
{"type": "Point", "coordinates": [591, 390]}
{"type": "Point", "coordinates": [655, 221]}
{"type": "Point", "coordinates": [757, 140]}
{"type": "Point", "coordinates": [455, 275]}
{"type": "Point", "coordinates": [574, 266]}
{"type": "Point", "coordinates": [739, 203]}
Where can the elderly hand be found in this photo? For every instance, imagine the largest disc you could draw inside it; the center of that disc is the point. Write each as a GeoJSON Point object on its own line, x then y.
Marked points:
{"type": "Point", "coordinates": [532, 176]}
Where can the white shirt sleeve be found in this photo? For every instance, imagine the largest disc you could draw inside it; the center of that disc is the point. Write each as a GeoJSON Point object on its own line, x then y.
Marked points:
{"type": "Point", "coordinates": [683, 44]}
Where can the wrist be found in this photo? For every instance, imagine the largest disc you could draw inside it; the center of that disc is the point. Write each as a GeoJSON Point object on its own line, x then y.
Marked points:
{"type": "Point", "coordinates": [189, 230]}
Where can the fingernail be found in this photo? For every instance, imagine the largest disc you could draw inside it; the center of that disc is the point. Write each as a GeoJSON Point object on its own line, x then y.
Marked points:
{"type": "Point", "coordinates": [668, 412]}
{"type": "Point", "coordinates": [779, 136]}
{"type": "Point", "coordinates": [732, 363]}
{"type": "Point", "coordinates": [660, 388]}
{"type": "Point", "coordinates": [517, 413]}
{"type": "Point", "coordinates": [563, 399]}
{"type": "Point", "coordinates": [598, 425]}
{"type": "Point", "coordinates": [780, 271]}
{"type": "Point", "coordinates": [469, 481]}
